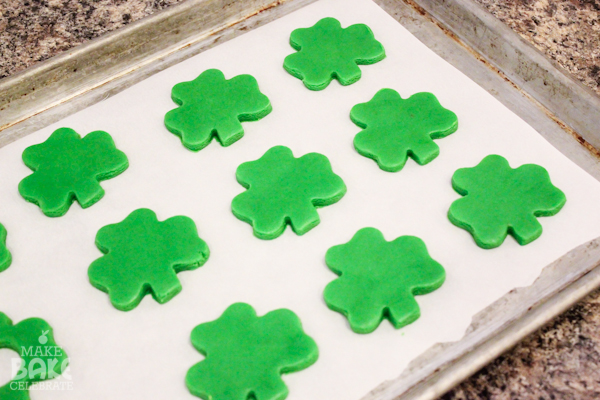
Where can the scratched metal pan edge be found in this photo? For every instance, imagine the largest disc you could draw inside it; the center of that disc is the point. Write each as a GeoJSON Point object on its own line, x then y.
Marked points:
{"type": "Point", "coordinates": [453, 29]}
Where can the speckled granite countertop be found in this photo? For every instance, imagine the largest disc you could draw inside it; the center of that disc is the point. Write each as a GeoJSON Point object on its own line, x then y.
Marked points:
{"type": "Point", "coordinates": [561, 361]}
{"type": "Point", "coordinates": [35, 30]}
{"type": "Point", "coordinates": [567, 31]}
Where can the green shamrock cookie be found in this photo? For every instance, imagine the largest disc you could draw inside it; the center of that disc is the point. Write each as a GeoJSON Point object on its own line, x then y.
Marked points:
{"type": "Point", "coordinates": [5, 257]}
{"type": "Point", "coordinates": [394, 128]}
{"type": "Point", "coordinates": [499, 200]}
{"type": "Point", "coordinates": [211, 106]}
{"type": "Point", "coordinates": [42, 358]}
{"type": "Point", "coordinates": [379, 279]}
{"type": "Point", "coordinates": [143, 255]}
{"type": "Point", "coordinates": [246, 355]}
{"type": "Point", "coordinates": [285, 190]}
{"type": "Point", "coordinates": [67, 168]}
{"type": "Point", "coordinates": [326, 51]}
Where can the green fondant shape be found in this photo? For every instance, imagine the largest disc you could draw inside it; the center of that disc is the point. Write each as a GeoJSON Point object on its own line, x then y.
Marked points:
{"type": "Point", "coordinates": [246, 355]}
{"type": "Point", "coordinates": [326, 51]}
{"type": "Point", "coordinates": [5, 257]}
{"type": "Point", "coordinates": [42, 358]}
{"type": "Point", "coordinates": [379, 279]}
{"type": "Point", "coordinates": [395, 128]}
{"type": "Point", "coordinates": [143, 255]}
{"type": "Point", "coordinates": [211, 106]}
{"type": "Point", "coordinates": [285, 190]}
{"type": "Point", "coordinates": [499, 200]}
{"type": "Point", "coordinates": [67, 168]}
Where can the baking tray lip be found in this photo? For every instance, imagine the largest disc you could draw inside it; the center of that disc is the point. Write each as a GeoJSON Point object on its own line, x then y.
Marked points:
{"type": "Point", "coordinates": [437, 370]}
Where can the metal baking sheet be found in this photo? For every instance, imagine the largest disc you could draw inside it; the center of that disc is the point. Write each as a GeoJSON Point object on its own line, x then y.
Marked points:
{"type": "Point", "coordinates": [73, 81]}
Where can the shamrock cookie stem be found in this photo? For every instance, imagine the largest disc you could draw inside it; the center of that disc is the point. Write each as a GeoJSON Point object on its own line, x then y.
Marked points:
{"type": "Point", "coordinates": [5, 256]}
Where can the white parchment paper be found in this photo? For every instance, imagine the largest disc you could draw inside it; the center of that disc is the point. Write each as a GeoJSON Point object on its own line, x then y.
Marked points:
{"type": "Point", "coordinates": [145, 353]}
